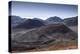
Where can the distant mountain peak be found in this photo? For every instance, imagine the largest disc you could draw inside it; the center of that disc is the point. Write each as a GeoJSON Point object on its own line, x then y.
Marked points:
{"type": "Point", "coordinates": [55, 19]}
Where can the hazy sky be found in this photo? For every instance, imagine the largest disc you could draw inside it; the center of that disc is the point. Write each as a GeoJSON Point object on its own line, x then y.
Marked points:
{"type": "Point", "coordinates": [43, 10]}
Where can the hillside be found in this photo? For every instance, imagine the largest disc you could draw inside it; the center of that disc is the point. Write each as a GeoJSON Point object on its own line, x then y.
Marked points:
{"type": "Point", "coordinates": [41, 37]}
{"type": "Point", "coordinates": [72, 21]}
{"type": "Point", "coordinates": [30, 23]}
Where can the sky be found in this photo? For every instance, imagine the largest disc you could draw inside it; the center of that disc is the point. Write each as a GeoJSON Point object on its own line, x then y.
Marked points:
{"type": "Point", "coordinates": [43, 10]}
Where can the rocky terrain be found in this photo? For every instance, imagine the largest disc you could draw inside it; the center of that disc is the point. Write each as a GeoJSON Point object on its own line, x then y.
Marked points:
{"type": "Point", "coordinates": [37, 35]}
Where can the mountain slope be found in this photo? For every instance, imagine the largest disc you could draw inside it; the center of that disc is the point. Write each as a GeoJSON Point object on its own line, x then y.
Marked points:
{"type": "Point", "coordinates": [16, 20]}
{"type": "Point", "coordinates": [72, 21]}
{"type": "Point", "coordinates": [30, 23]}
